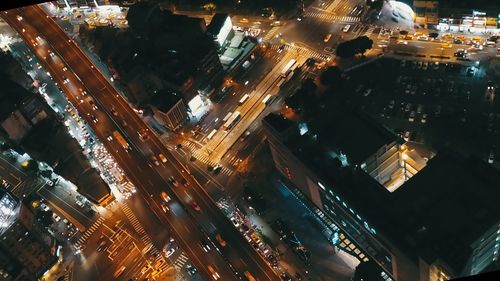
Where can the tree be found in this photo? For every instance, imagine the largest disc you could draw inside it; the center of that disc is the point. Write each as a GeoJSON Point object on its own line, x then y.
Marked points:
{"type": "Point", "coordinates": [363, 44]}
{"type": "Point", "coordinates": [433, 35]}
{"type": "Point", "coordinates": [44, 217]}
{"type": "Point", "coordinates": [355, 46]}
{"type": "Point", "coordinates": [367, 271]}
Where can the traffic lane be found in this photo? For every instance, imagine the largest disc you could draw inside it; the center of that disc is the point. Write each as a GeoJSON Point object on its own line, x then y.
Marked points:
{"type": "Point", "coordinates": [108, 148]}
{"type": "Point", "coordinates": [225, 228]}
{"type": "Point", "coordinates": [236, 243]}
{"type": "Point", "coordinates": [57, 200]}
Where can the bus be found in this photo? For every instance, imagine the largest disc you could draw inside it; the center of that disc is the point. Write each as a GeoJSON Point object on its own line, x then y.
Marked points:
{"type": "Point", "coordinates": [244, 99]}
{"type": "Point", "coordinates": [227, 117]}
{"type": "Point", "coordinates": [212, 133]}
{"type": "Point", "coordinates": [119, 138]}
{"type": "Point", "coordinates": [288, 68]}
{"type": "Point", "coordinates": [267, 99]}
{"type": "Point", "coordinates": [234, 118]}
{"type": "Point", "coordinates": [249, 276]}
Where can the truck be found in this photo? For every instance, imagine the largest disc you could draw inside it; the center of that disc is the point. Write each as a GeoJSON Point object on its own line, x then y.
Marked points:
{"type": "Point", "coordinates": [119, 138]}
{"type": "Point", "coordinates": [288, 67]}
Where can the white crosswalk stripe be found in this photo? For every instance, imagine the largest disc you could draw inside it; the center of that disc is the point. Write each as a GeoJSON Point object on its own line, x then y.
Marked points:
{"type": "Point", "coordinates": [330, 17]}
{"type": "Point", "coordinates": [89, 232]}
{"type": "Point", "coordinates": [271, 33]}
{"type": "Point", "coordinates": [138, 228]}
{"type": "Point", "coordinates": [369, 32]}
{"type": "Point", "coordinates": [201, 156]}
{"type": "Point", "coordinates": [303, 51]}
{"type": "Point", "coordinates": [180, 262]}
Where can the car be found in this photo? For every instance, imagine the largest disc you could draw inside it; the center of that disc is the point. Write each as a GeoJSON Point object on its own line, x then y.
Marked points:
{"type": "Point", "coordinates": [144, 269]}
{"type": "Point", "coordinates": [470, 72]}
{"type": "Point", "coordinates": [119, 271]}
{"type": "Point", "coordinates": [162, 158]}
{"type": "Point", "coordinates": [51, 54]}
{"type": "Point", "coordinates": [155, 160]}
{"type": "Point", "coordinates": [217, 169]}
{"type": "Point", "coordinates": [190, 269]}
{"type": "Point", "coordinates": [143, 134]}
{"type": "Point", "coordinates": [491, 158]}
{"type": "Point", "coordinates": [195, 205]}
{"type": "Point", "coordinates": [281, 48]}
{"type": "Point", "coordinates": [184, 182]}
{"type": "Point", "coordinates": [65, 80]}
{"type": "Point", "coordinates": [114, 112]}
{"type": "Point", "coordinates": [490, 85]}
{"type": "Point", "coordinates": [110, 138]}
{"type": "Point", "coordinates": [170, 252]}
{"type": "Point", "coordinates": [124, 123]}
{"type": "Point", "coordinates": [235, 222]}
{"type": "Point", "coordinates": [83, 92]}
{"type": "Point", "coordinates": [64, 68]}
{"type": "Point", "coordinates": [424, 118]}
{"type": "Point", "coordinates": [411, 118]}
{"type": "Point", "coordinates": [173, 181]}
{"type": "Point", "coordinates": [102, 246]}
{"type": "Point", "coordinates": [285, 277]}
{"type": "Point", "coordinates": [407, 135]}
{"type": "Point", "coordinates": [214, 273]}
{"type": "Point", "coordinates": [346, 28]}
{"type": "Point", "coordinates": [204, 245]}
{"type": "Point", "coordinates": [165, 196]}
{"type": "Point", "coordinates": [221, 241]}
{"type": "Point", "coordinates": [94, 118]}
{"type": "Point", "coordinates": [327, 37]}
{"type": "Point", "coordinates": [80, 204]}
{"type": "Point", "coordinates": [391, 104]}
{"type": "Point", "coordinates": [92, 104]}
{"type": "Point", "coordinates": [272, 260]}
{"type": "Point", "coordinates": [367, 92]}
{"type": "Point", "coordinates": [245, 135]}
{"type": "Point", "coordinates": [44, 207]}
{"type": "Point", "coordinates": [56, 217]}
{"type": "Point", "coordinates": [19, 18]}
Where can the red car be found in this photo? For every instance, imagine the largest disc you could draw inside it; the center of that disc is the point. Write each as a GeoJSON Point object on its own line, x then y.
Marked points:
{"type": "Point", "coordinates": [195, 205]}
{"type": "Point", "coordinates": [184, 182]}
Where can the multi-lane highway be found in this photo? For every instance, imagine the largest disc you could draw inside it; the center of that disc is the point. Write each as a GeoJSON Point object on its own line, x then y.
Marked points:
{"type": "Point", "coordinates": [105, 110]}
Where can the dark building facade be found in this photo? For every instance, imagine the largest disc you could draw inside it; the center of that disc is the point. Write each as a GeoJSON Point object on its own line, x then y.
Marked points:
{"type": "Point", "coordinates": [429, 228]}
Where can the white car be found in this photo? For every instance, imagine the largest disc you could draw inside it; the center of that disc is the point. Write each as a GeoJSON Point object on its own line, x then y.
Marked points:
{"type": "Point", "coordinates": [491, 158]}
{"type": "Point", "coordinates": [346, 28]}
{"type": "Point", "coordinates": [44, 207]}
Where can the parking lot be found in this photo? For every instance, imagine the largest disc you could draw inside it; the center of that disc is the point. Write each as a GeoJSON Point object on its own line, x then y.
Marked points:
{"type": "Point", "coordinates": [430, 102]}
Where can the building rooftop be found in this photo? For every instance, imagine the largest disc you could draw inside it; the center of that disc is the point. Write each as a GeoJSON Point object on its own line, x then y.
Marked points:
{"type": "Point", "coordinates": [438, 213]}
{"type": "Point", "coordinates": [355, 134]}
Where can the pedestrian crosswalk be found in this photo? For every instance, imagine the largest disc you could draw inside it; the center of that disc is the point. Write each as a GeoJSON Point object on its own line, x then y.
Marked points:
{"type": "Point", "coordinates": [180, 261]}
{"type": "Point", "coordinates": [369, 32]}
{"type": "Point", "coordinates": [332, 17]}
{"type": "Point", "coordinates": [139, 229]}
{"type": "Point", "coordinates": [81, 241]}
{"type": "Point", "coordinates": [271, 33]}
{"type": "Point", "coordinates": [305, 52]}
{"type": "Point", "coordinates": [202, 156]}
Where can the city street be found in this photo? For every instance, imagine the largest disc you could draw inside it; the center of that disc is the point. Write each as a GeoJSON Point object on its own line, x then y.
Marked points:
{"type": "Point", "coordinates": [97, 86]}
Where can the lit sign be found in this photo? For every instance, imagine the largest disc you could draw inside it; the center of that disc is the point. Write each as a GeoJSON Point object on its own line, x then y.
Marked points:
{"type": "Point", "coordinates": [477, 13]}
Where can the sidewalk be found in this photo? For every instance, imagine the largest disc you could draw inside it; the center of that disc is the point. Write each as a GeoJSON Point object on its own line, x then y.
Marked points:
{"type": "Point", "coordinates": [326, 263]}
